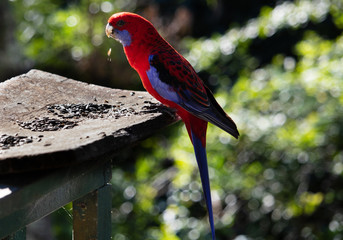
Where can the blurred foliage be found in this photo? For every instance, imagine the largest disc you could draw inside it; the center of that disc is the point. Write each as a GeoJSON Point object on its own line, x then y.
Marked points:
{"type": "Point", "coordinates": [276, 68]}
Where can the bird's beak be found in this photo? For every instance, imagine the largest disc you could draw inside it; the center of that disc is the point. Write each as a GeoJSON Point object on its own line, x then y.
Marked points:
{"type": "Point", "coordinates": [109, 31]}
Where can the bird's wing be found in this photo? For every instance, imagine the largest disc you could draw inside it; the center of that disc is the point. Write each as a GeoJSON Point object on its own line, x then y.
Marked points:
{"type": "Point", "coordinates": [174, 79]}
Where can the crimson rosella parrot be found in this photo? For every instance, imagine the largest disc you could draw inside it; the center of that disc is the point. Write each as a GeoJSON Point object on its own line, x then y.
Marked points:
{"type": "Point", "coordinates": [170, 78]}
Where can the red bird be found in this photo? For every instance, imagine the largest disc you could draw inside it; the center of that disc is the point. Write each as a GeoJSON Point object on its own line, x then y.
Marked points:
{"type": "Point", "coordinates": [170, 78]}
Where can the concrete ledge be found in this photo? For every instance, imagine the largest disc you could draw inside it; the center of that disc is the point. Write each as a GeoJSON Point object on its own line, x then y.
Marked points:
{"type": "Point", "coordinates": [48, 121]}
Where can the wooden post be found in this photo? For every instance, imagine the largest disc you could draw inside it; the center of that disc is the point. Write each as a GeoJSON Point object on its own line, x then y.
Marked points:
{"type": "Point", "coordinates": [92, 212]}
{"type": "Point", "coordinates": [92, 215]}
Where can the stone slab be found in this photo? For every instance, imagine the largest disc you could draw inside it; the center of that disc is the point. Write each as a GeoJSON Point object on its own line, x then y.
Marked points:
{"type": "Point", "coordinates": [48, 121]}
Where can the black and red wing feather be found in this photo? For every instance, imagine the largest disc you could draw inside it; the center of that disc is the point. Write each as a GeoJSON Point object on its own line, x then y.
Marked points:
{"type": "Point", "coordinates": [180, 76]}
{"type": "Point", "coordinates": [175, 80]}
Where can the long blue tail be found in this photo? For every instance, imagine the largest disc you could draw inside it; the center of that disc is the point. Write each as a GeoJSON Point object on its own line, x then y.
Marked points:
{"type": "Point", "coordinates": [200, 154]}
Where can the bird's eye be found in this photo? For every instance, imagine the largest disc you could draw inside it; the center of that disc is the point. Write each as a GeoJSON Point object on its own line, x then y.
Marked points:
{"type": "Point", "coordinates": [120, 23]}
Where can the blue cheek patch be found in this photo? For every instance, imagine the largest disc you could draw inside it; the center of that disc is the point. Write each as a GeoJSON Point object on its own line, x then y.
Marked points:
{"type": "Point", "coordinates": [123, 37]}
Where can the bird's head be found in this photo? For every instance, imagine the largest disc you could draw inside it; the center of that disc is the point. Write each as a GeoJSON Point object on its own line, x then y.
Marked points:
{"type": "Point", "coordinates": [127, 28]}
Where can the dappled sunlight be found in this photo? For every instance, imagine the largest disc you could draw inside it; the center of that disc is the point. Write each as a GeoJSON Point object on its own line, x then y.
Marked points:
{"type": "Point", "coordinates": [286, 15]}
{"type": "Point", "coordinates": [276, 71]}
{"type": "Point", "coordinates": [4, 191]}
